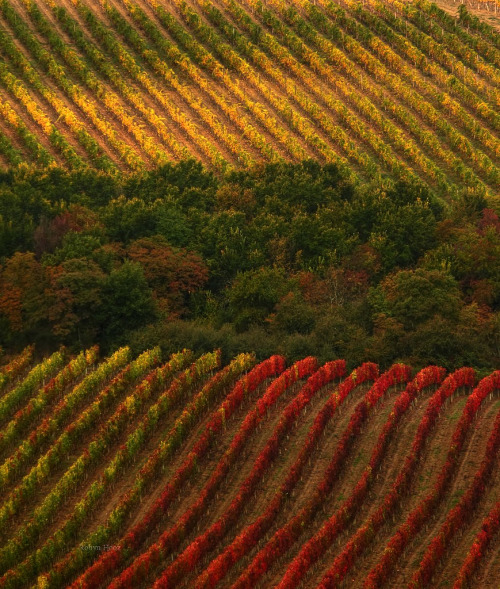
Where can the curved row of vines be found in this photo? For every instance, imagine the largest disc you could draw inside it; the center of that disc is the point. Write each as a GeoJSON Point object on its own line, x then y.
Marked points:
{"type": "Point", "coordinates": [184, 472]}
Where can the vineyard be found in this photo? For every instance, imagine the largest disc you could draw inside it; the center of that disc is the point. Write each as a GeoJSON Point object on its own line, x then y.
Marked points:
{"type": "Point", "coordinates": [383, 89]}
{"type": "Point", "coordinates": [136, 472]}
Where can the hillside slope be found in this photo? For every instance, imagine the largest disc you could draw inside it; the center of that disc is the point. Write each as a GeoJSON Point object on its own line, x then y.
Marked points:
{"type": "Point", "coordinates": [390, 88]}
{"type": "Point", "coordinates": [126, 472]}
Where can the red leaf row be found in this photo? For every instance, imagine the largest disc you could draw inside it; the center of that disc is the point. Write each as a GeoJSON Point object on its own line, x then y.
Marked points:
{"type": "Point", "coordinates": [207, 541]}
{"type": "Point", "coordinates": [249, 537]}
{"type": "Point", "coordinates": [380, 573]}
{"type": "Point", "coordinates": [171, 537]}
{"type": "Point", "coordinates": [364, 535]}
{"type": "Point", "coordinates": [489, 529]}
{"type": "Point", "coordinates": [320, 542]}
{"type": "Point", "coordinates": [459, 514]}
{"type": "Point", "coordinates": [284, 538]}
{"type": "Point", "coordinates": [94, 576]}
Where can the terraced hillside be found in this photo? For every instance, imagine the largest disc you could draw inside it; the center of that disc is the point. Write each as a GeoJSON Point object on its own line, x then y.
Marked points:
{"type": "Point", "coordinates": [393, 88]}
{"type": "Point", "coordinates": [123, 472]}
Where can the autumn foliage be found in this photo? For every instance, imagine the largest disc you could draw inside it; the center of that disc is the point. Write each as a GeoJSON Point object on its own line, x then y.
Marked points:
{"type": "Point", "coordinates": [105, 414]}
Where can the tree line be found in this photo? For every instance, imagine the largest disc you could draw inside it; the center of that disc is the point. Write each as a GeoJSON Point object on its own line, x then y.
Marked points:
{"type": "Point", "coordinates": [292, 258]}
